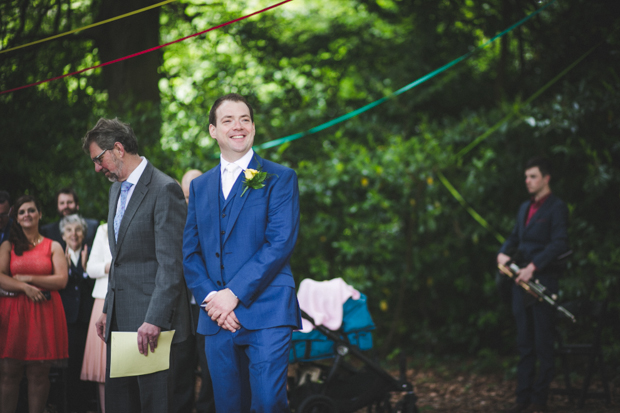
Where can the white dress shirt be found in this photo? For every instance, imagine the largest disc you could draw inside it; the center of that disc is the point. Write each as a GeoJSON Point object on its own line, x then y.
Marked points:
{"type": "Point", "coordinates": [133, 178]}
{"type": "Point", "coordinates": [242, 163]}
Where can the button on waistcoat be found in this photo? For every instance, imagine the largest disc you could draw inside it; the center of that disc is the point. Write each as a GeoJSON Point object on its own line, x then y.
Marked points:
{"type": "Point", "coordinates": [226, 206]}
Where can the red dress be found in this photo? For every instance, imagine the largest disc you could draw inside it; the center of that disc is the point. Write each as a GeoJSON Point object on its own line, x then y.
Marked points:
{"type": "Point", "coordinates": [33, 331]}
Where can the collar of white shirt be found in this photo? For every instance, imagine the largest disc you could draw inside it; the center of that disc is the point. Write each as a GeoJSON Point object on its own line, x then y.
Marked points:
{"type": "Point", "coordinates": [75, 255]}
{"type": "Point", "coordinates": [242, 163]}
{"type": "Point", "coordinates": [134, 177]}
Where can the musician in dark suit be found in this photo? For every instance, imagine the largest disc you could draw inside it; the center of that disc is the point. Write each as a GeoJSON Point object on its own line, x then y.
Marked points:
{"type": "Point", "coordinates": [538, 239]}
{"type": "Point", "coordinates": [78, 303]}
{"type": "Point", "coordinates": [146, 289]}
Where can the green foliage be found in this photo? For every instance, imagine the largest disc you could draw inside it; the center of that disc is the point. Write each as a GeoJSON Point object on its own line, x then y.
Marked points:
{"type": "Point", "coordinates": [373, 209]}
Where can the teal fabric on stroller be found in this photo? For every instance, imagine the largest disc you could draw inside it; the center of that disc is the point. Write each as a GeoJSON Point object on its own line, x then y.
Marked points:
{"type": "Point", "coordinates": [357, 326]}
{"type": "Point", "coordinates": [332, 373]}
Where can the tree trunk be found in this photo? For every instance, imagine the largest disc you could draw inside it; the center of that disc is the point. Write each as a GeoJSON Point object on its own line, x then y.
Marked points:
{"type": "Point", "coordinates": [132, 84]}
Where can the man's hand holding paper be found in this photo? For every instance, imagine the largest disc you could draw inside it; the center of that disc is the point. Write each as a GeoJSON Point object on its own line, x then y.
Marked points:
{"type": "Point", "coordinates": [148, 334]}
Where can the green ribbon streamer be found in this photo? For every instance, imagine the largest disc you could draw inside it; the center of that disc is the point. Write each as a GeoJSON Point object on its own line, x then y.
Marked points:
{"type": "Point", "coordinates": [492, 129]}
{"type": "Point", "coordinates": [404, 89]}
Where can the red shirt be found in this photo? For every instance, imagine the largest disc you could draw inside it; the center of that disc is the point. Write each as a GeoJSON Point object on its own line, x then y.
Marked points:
{"type": "Point", "coordinates": [535, 206]}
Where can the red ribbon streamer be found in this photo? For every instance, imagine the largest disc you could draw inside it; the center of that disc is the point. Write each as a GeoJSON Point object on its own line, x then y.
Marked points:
{"type": "Point", "coordinates": [145, 51]}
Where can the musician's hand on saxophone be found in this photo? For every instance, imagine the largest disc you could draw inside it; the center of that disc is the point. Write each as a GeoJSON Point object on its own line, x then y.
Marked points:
{"type": "Point", "coordinates": [532, 285]}
{"type": "Point", "coordinates": [503, 259]}
{"type": "Point", "coordinates": [526, 273]}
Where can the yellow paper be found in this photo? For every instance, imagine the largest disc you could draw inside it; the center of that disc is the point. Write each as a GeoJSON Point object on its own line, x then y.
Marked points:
{"type": "Point", "coordinates": [126, 360]}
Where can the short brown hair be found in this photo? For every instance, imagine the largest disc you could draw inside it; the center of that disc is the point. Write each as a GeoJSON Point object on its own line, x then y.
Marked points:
{"type": "Point", "coordinates": [233, 97]}
{"type": "Point", "coordinates": [67, 191]}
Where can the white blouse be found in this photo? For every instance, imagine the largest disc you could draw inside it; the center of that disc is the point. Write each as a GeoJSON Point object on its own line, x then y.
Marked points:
{"type": "Point", "coordinates": [100, 255]}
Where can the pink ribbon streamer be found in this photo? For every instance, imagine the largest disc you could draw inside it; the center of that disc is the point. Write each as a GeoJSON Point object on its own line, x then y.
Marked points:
{"type": "Point", "coordinates": [144, 51]}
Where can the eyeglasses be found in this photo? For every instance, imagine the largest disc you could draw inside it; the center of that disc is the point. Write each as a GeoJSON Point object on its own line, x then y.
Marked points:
{"type": "Point", "coordinates": [97, 159]}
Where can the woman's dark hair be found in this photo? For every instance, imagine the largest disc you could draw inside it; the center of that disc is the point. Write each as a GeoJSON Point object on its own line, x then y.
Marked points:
{"type": "Point", "coordinates": [17, 237]}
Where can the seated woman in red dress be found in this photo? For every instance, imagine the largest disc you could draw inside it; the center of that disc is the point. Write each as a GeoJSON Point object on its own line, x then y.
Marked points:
{"type": "Point", "coordinates": [33, 330]}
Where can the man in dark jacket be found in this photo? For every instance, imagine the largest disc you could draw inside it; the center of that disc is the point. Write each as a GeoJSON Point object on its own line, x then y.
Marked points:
{"type": "Point", "coordinates": [538, 238]}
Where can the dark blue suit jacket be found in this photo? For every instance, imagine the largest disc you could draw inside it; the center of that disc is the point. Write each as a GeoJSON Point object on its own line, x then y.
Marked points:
{"type": "Point", "coordinates": [77, 297]}
{"type": "Point", "coordinates": [544, 238]}
{"type": "Point", "coordinates": [252, 257]}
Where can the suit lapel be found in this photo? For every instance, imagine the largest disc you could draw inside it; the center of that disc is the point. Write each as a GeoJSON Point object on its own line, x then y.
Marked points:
{"type": "Point", "coordinates": [213, 203]}
{"type": "Point", "coordinates": [240, 200]}
{"type": "Point", "coordinates": [138, 195]}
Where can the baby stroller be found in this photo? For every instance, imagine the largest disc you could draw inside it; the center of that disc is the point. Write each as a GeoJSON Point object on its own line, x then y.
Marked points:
{"type": "Point", "coordinates": [334, 375]}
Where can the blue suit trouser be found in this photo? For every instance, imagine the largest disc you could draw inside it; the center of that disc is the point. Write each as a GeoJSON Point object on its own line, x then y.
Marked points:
{"type": "Point", "coordinates": [249, 369]}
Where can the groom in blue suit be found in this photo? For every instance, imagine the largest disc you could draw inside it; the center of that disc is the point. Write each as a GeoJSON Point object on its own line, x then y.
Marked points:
{"type": "Point", "coordinates": [237, 244]}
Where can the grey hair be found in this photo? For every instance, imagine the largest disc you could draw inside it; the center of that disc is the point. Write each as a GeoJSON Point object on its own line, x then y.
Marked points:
{"type": "Point", "coordinates": [73, 219]}
{"type": "Point", "coordinates": [109, 131]}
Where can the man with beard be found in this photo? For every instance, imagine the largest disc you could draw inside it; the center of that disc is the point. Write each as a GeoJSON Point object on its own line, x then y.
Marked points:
{"type": "Point", "coordinates": [146, 289]}
{"type": "Point", "coordinates": [68, 204]}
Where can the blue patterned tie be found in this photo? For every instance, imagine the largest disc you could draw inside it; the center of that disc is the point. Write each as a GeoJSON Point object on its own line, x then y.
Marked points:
{"type": "Point", "coordinates": [125, 186]}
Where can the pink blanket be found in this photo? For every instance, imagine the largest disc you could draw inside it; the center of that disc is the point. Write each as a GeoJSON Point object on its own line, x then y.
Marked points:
{"type": "Point", "coordinates": [323, 300]}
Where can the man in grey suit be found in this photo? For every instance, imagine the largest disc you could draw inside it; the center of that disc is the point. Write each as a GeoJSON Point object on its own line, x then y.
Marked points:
{"type": "Point", "coordinates": [146, 289]}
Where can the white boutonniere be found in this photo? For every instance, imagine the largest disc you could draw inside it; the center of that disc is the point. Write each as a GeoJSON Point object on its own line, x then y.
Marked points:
{"type": "Point", "coordinates": [255, 179]}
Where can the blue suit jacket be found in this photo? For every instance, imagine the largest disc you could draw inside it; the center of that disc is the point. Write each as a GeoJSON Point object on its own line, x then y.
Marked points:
{"type": "Point", "coordinates": [544, 238]}
{"type": "Point", "coordinates": [252, 257]}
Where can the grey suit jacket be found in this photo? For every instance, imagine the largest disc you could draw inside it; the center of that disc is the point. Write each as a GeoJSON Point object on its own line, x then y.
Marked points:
{"type": "Point", "coordinates": [146, 282]}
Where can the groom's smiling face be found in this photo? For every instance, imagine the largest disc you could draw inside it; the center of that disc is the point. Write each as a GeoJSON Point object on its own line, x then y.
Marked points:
{"type": "Point", "coordinates": [234, 130]}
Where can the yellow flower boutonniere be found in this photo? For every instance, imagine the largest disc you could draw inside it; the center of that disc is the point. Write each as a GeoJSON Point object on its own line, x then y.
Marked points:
{"type": "Point", "coordinates": [254, 179]}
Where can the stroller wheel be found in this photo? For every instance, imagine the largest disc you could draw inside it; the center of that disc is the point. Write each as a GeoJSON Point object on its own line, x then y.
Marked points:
{"type": "Point", "coordinates": [317, 403]}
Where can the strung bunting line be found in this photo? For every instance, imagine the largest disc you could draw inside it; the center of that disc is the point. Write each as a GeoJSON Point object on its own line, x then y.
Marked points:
{"type": "Point", "coordinates": [404, 89]}
{"type": "Point", "coordinates": [145, 51]}
{"type": "Point", "coordinates": [516, 110]}
{"type": "Point", "coordinates": [90, 26]}
{"type": "Point", "coordinates": [492, 129]}
{"type": "Point", "coordinates": [469, 209]}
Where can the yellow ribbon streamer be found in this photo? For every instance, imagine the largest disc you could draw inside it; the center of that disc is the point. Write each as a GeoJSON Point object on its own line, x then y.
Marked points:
{"type": "Point", "coordinates": [492, 129]}
{"type": "Point", "coordinates": [469, 209]}
{"type": "Point", "coordinates": [89, 26]}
